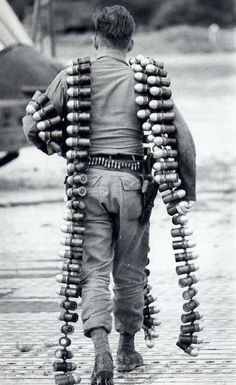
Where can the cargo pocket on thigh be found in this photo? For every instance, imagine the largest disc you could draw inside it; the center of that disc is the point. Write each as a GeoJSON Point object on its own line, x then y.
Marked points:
{"type": "Point", "coordinates": [132, 198]}
{"type": "Point", "coordinates": [92, 198]}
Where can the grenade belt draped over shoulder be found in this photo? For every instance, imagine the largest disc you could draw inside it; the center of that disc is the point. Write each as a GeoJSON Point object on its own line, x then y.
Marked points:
{"type": "Point", "coordinates": [156, 113]}
{"type": "Point", "coordinates": [73, 136]}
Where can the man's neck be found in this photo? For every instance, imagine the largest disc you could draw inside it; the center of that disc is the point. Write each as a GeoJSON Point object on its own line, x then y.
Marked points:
{"type": "Point", "coordinates": [112, 51]}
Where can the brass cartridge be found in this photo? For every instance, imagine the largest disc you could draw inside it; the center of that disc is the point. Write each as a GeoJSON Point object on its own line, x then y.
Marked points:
{"type": "Point", "coordinates": [171, 209]}
{"type": "Point", "coordinates": [187, 268]}
{"type": "Point", "coordinates": [71, 254]}
{"type": "Point", "coordinates": [37, 101]}
{"type": "Point", "coordinates": [74, 142]}
{"type": "Point", "coordinates": [179, 219]}
{"type": "Point", "coordinates": [149, 321]}
{"type": "Point", "coordinates": [181, 231]}
{"type": "Point", "coordinates": [43, 112]}
{"type": "Point", "coordinates": [185, 256]}
{"type": "Point", "coordinates": [71, 267]}
{"type": "Point", "coordinates": [78, 129]}
{"type": "Point", "coordinates": [146, 126]}
{"type": "Point", "coordinates": [69, 292]}
{"type": "Point", "coordinates": [67, 329]}
{"type": "Point", "coordinates": [46, 124]}
{"type": "Point", "coordinates": [163, 141]}
{"type": "Point", "coordinates": [159, 117]}
{"type": "Point", "coordinates": [191, 305]}
{"type": "Point", "coordinates": [76, 204]}
{"type": "Point", "coordinates": [191, 317]}
{"type": "Point", "coordinates": [63, 366]}
{"type": "Point", "coordinates": [142, 100]}
{"type": "Point", "coordinates": [74, 104]}
{"type": "Point", "coordinates": [140, 77]}
{"type": "Point", "coordinates": [50, 135]}
{"type": "Point", "coordinates": [77, 179]}
{"type": "Point", "coordinates": [65, 341]}
{"type": "Point", "coordinates": [167, 165]}
{"type": "Point", "coordinates": [72, 241]}
{"type": "Point", "coordinates": [168, 186]}
{"type": "Point", "coordinates": [77, 192]}
{"type": "Point", "coordinates": [143, 114]}
{"type": "Point", "coordinates": [64, 354]}
{"type": "Point", "coordinates": [137, 67]}
{"type": "Point", "coordinates": [158, 81]}
{"type": "Point", "coordinates": [161, 104]}
{"type": "Point", "coordinates": [68, 317]}
{"type": "Point", "coordinates": [189, 340]}
{"type": "Point", "coordinates": [78, 117]}
{"type": "Point", "coordinates": [67, 379]}
{"type": "Point", "coordinates": [183, 244]}
{"type": "Point", "coordinates": [149, 310]}
{"type": "Point", "coordinates": [163, 129]}
{"type": "Point", "coordinates": [141, 88]}
{"type": "Point", "coordinates": [79, 166]}
{"type": "Point", "coordinates": [73, 229]}
{"type": "Point", "coordinates": [68, 305]}
{"type": "Point", "coordinates": [72, 154]}
{"type": "Point", "coordinates": [68, 279]}
{"type": "Point", "coordinates": [76, 80]}
{"type": "Point", "coordinates": [188, 281]}
{"type": "Point", "coordinates": [190, 293]}
{"type": "Point", "coordinates": [189, 329]}
{"type": "Point", "coordinates": [154, 70]}
{"type": "Point", "coordinates": [159, 178]}
{"type": "Point", "coordinates": [160, 92]}
{"type": "Point", "coordinates": [149, 299]}
{"type": "Point", "coordinates": [164, 153]}
{"type": "Point", "coordinates": [173, 196]}
{"type": "Point", "coordinates": [74, 92]}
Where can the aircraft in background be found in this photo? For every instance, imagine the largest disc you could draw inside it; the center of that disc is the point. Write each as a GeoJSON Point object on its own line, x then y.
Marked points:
{"type": "Point", "coordinates": [23, 70]}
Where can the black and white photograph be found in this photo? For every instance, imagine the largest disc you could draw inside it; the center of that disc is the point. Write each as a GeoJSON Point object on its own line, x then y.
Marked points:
{"type": "Point", "coordinates": [117, 192]}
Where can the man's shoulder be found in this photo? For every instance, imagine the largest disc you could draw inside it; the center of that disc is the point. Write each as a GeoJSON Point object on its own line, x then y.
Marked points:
{"type": "Point", "coordinates": [62, 75]}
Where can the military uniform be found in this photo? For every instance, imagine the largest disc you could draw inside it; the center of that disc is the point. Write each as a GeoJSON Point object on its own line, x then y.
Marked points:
{"type": "Point", "coordinates": [115, 241]}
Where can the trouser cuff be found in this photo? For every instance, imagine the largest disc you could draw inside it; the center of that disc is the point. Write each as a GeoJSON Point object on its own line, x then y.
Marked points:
{"type": "Point", "coordinates": [97, 323]}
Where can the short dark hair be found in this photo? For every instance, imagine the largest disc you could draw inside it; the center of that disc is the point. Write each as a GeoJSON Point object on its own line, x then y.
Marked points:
{"type": "Point", "coordinates": [115, 24]}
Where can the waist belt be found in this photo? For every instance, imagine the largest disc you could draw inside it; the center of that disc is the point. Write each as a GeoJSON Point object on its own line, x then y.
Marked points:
{"type": "Point", "coordinates": [132, 162]}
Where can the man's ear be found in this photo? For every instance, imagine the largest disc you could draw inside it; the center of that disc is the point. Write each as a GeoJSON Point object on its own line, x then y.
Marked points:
{"type": "Point", "coordinates": [95, 42]}
{"type": "Point", "coordinates": [130, 46]}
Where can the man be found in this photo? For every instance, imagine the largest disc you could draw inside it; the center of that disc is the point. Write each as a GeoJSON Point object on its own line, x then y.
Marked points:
{"type": "Point", "coordinates": [116, 241]}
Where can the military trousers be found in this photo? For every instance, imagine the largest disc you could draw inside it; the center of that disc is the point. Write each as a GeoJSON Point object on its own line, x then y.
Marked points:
{"type": "Point", "coordinates": [115, 243]}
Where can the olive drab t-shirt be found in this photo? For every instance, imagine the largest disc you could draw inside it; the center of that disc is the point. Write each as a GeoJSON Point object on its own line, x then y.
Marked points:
{"type": "Point", "coordinates": [115, 126]}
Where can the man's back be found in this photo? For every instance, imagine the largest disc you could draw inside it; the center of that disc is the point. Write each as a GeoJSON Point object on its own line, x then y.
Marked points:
{"type": "Point", "coordinates": [115, 126]}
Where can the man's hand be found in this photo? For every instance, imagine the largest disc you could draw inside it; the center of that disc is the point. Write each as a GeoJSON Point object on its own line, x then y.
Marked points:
{"type": "Point", "coordinates": [52, 147]}
{"type": "Point", "coordinates": [184, 207]}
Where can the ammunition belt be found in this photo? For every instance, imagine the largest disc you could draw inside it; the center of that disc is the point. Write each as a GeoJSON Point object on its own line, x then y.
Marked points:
{"type": "Point", "coordinates": [155, 111]}
{"type": "Point", "coordinates": [115, 164]}
{"type": "Point", "coordinates": [78, 141]}
{"type": "Point", "coordinates": [74, 141]}
{"type": "Point", "coordinates": [157, 116]}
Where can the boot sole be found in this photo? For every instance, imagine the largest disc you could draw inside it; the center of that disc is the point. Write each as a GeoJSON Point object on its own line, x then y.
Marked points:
{"type": "Point", "coordinates": [102, 381]}
{"type": "Point", "coordinates": [128, 368]}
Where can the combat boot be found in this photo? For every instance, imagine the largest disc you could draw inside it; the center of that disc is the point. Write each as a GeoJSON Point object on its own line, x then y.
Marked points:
{"type": "Point", "coordinates": [103, 366]}
{"type": "Point", "coordinates": [127, 359]}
